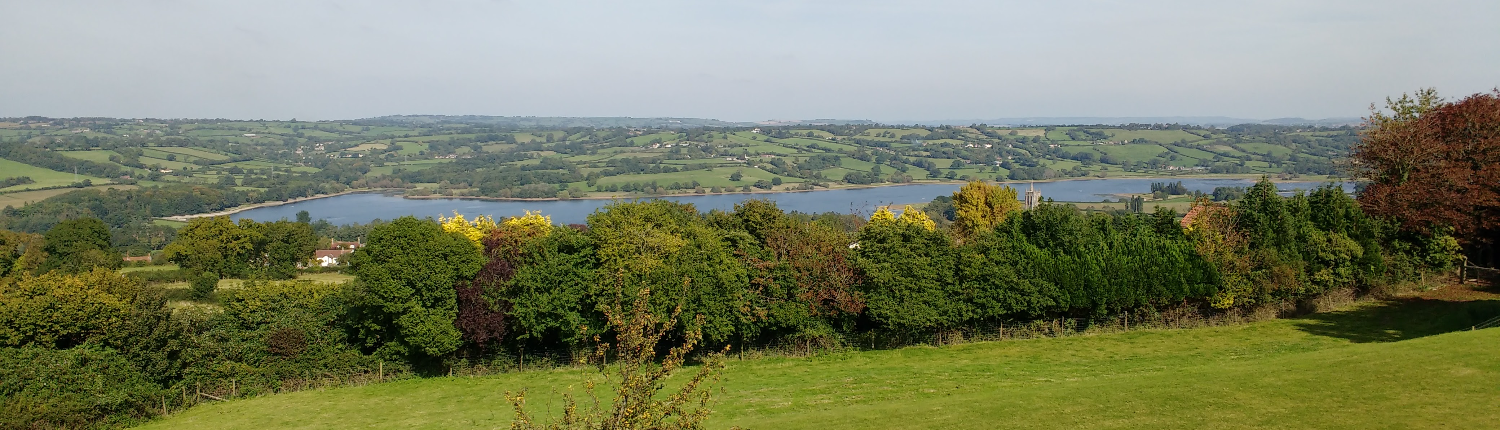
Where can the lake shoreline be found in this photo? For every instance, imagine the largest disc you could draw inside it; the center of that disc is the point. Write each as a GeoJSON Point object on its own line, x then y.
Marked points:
{"type": "Point", "coordinates": [242, 208]}
{"type": "Point", "coordinates": [853, 187]}
{"type": "Point", "coordinates": [400, 191]}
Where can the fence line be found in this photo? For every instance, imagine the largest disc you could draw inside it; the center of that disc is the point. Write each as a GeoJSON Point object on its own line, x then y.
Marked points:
{"type": "Point", "coordinates": [1492, 322]}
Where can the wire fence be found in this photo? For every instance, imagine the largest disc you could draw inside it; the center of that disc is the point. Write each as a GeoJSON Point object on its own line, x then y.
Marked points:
{"type": "Point", "coordinates": [1491, 323]}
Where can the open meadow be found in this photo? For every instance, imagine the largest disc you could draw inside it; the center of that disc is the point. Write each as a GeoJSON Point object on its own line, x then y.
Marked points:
{"type": "Point", "coordinates": [1405, 362]}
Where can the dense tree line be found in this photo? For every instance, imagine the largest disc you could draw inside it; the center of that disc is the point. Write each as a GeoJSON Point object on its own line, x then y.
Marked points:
{"type": "Point", "coordinates": [432, 295]}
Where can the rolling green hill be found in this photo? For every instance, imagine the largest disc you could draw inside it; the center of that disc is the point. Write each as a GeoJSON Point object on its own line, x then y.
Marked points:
{"type": "Point", "coordinates": [1408, 362]}
{"type": "Point", "coordinates": [44, 177]}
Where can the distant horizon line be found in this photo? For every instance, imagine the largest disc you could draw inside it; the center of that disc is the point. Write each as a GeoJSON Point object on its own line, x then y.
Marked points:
{"type": "Point", "coordinates": [1001, 121]}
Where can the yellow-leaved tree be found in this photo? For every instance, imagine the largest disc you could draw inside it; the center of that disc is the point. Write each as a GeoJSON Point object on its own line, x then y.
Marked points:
{"type": "Point", "coordinates": [533, 224]}
{"type": "Point", "coordinates": [909, 216]}
{"type": "Point", "coordinates": [912, 216]}
{"type": "Point", "coordinates": [979, 207]}
{"type": "Point", "coordinates": [474, 230]}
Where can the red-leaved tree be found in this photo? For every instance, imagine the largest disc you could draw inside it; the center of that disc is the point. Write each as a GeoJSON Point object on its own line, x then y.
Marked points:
{"type": "Point", "coordinates": [1436, 165]}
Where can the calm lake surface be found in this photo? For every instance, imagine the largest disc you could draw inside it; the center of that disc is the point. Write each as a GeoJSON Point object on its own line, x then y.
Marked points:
{"type": "Point", "coordinates": [365, 207]}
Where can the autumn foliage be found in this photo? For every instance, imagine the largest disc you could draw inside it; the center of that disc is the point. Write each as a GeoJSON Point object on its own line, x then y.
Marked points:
{"type": "Point", "coordinates": [1434, 167]}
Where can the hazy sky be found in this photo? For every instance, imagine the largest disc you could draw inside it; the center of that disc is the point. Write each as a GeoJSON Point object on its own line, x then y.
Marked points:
{"type": "Point", "coordinates": [737, 60]}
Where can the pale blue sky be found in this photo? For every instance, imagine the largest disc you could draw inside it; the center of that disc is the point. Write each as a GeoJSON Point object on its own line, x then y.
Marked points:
{"type": "Point", "coordinates": [737, 60]}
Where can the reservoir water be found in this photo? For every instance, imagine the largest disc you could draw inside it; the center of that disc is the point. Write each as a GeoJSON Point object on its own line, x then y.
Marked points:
{"type": "Point", "coordinates": [365, 207]}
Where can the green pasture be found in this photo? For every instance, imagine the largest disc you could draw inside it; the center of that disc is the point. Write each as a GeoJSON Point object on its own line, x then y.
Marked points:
{"type": "Point", "coordinates": [410, 148]}
{"type": "Point", "coordinates": [413, 166]}
{"type": "Point", "coordinates": [1158, 136]}
{"type": "Point", "coordinates": [1059, 133]}
{"type": "Point", "coordinates": [746, 138]}
{"type": "Point", "coordinates": [254, 164]}
{"type": "Point", "coordinates": [1265, 148]}
{"type": "Point", "coordinates": [168, 164]}
{"type": "Point", "coordinates": [871, 133]}
{"type": "Point", "coordinates": [23, 198]}
{"type": "Point", "coordinates": [44, 177]}
{"type": "Point", "coordinates": [1405, 362]}
{"type": "Point", "coordinates": [803, 142]}
{"type": "Point", "coordinates": [192, 152]}
{"type": "Point", "coordinates": [1224, 150]}
{"type": "Point", "coordinates": [94, 155]}
{"type": "Point", "coordinates": [1192, 152]}
{"type": "Point", "coordinates": [819, 133]}
{"type": "Point", "coordinates": [718, 177]}
{"type": "Point", "coordinates": [1073, 143]}
{"type": "Point", "coordinates": [1024, 132]}
{"type": "Point", "coordinates": [368, 146]}
{"type": "Point", "coordinates": [770, 148]}
{"type": "Point", "coordinates": [498, 147]}
{"type": "Point", "coordinates": [647, 138]}
{"type": "Point", "coordinates": [1135, 153]}
{"type": "Point", "coordinates": [942, 141]}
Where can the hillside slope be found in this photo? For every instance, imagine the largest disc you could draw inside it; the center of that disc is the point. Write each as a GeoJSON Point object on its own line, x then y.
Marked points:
{"type": "Point", "coordinates": [1405, 363]}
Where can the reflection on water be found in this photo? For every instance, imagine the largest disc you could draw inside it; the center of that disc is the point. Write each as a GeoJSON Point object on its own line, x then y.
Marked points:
{"type": "Point", "coordinates": [360, 208]}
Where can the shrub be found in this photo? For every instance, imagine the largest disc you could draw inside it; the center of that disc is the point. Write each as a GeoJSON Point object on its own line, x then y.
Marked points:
{"type": "Point", "coordinates": [162, 276]}
{"type": "Point", "coordinates": [204, 284]}
{"type": "Point", "coordinates": [286, 342]}
{"type": "Point", "coordinates": [83, 387]}
{"type": "Point", "coordinates": [61, 311]}
{"type": "Point", "coordinates": [272, 336]}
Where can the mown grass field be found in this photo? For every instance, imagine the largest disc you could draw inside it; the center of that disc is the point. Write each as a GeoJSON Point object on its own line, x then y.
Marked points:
{"type": "Point", "coordinates": [1406, 362]}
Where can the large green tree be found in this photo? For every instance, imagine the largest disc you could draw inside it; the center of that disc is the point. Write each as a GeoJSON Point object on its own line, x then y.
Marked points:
{"type": "Point", "coordinates": [668, 248]}
{"type": "Point", "coordinates": [909, 273]}
{"type": "Point", "coordinates": [20, 253]}
{"type": "Point", "coordinates": [279, 246]}
{"type": "Point", "coordinates": [213, 244]}
{"type": "Point", "coordinates": [79, 245]}
{"type": "Point", "coordinates": [408, 272]}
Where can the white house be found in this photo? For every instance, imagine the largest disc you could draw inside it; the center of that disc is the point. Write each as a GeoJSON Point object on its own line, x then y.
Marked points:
{"type": "Point", "coordinates": [329, 257]}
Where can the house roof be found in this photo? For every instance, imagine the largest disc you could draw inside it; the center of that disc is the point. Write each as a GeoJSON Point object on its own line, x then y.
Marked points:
{"type": "Point", "coordinates": [334, 253]}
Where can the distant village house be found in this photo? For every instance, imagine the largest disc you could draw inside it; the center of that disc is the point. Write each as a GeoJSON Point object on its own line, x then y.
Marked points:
{"type": "Point", "coordinates": [329, 257]}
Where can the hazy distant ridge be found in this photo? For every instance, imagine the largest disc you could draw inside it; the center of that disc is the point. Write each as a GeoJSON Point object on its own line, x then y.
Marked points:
{"type": "Point", "coordinates": [559, 121]}
{"type": "Point", "coordinates": [671, 122]}
{"type": "Point", "coordinates": [1106, 120]}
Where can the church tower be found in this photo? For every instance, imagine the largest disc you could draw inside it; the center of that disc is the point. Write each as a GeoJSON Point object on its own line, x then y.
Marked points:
{"type": "Point", "coordinates": [1033, 197]}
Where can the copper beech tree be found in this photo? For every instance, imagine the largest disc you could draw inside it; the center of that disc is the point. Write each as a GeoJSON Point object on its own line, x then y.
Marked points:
{"type": "Point", "coordinates": [1434, 167]}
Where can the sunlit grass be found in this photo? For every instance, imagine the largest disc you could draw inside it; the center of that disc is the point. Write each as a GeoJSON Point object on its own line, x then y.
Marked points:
{"type": "Point", "coordinates": [1389, 364]}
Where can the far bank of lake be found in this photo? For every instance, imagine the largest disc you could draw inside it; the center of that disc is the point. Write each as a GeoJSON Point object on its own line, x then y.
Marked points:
{"type": "Point", "coordinates": [365, 207]}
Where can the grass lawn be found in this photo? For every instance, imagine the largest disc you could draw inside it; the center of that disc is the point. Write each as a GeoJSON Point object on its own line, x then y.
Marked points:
{"type": "Point", "coordinates": [1406, 362]}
